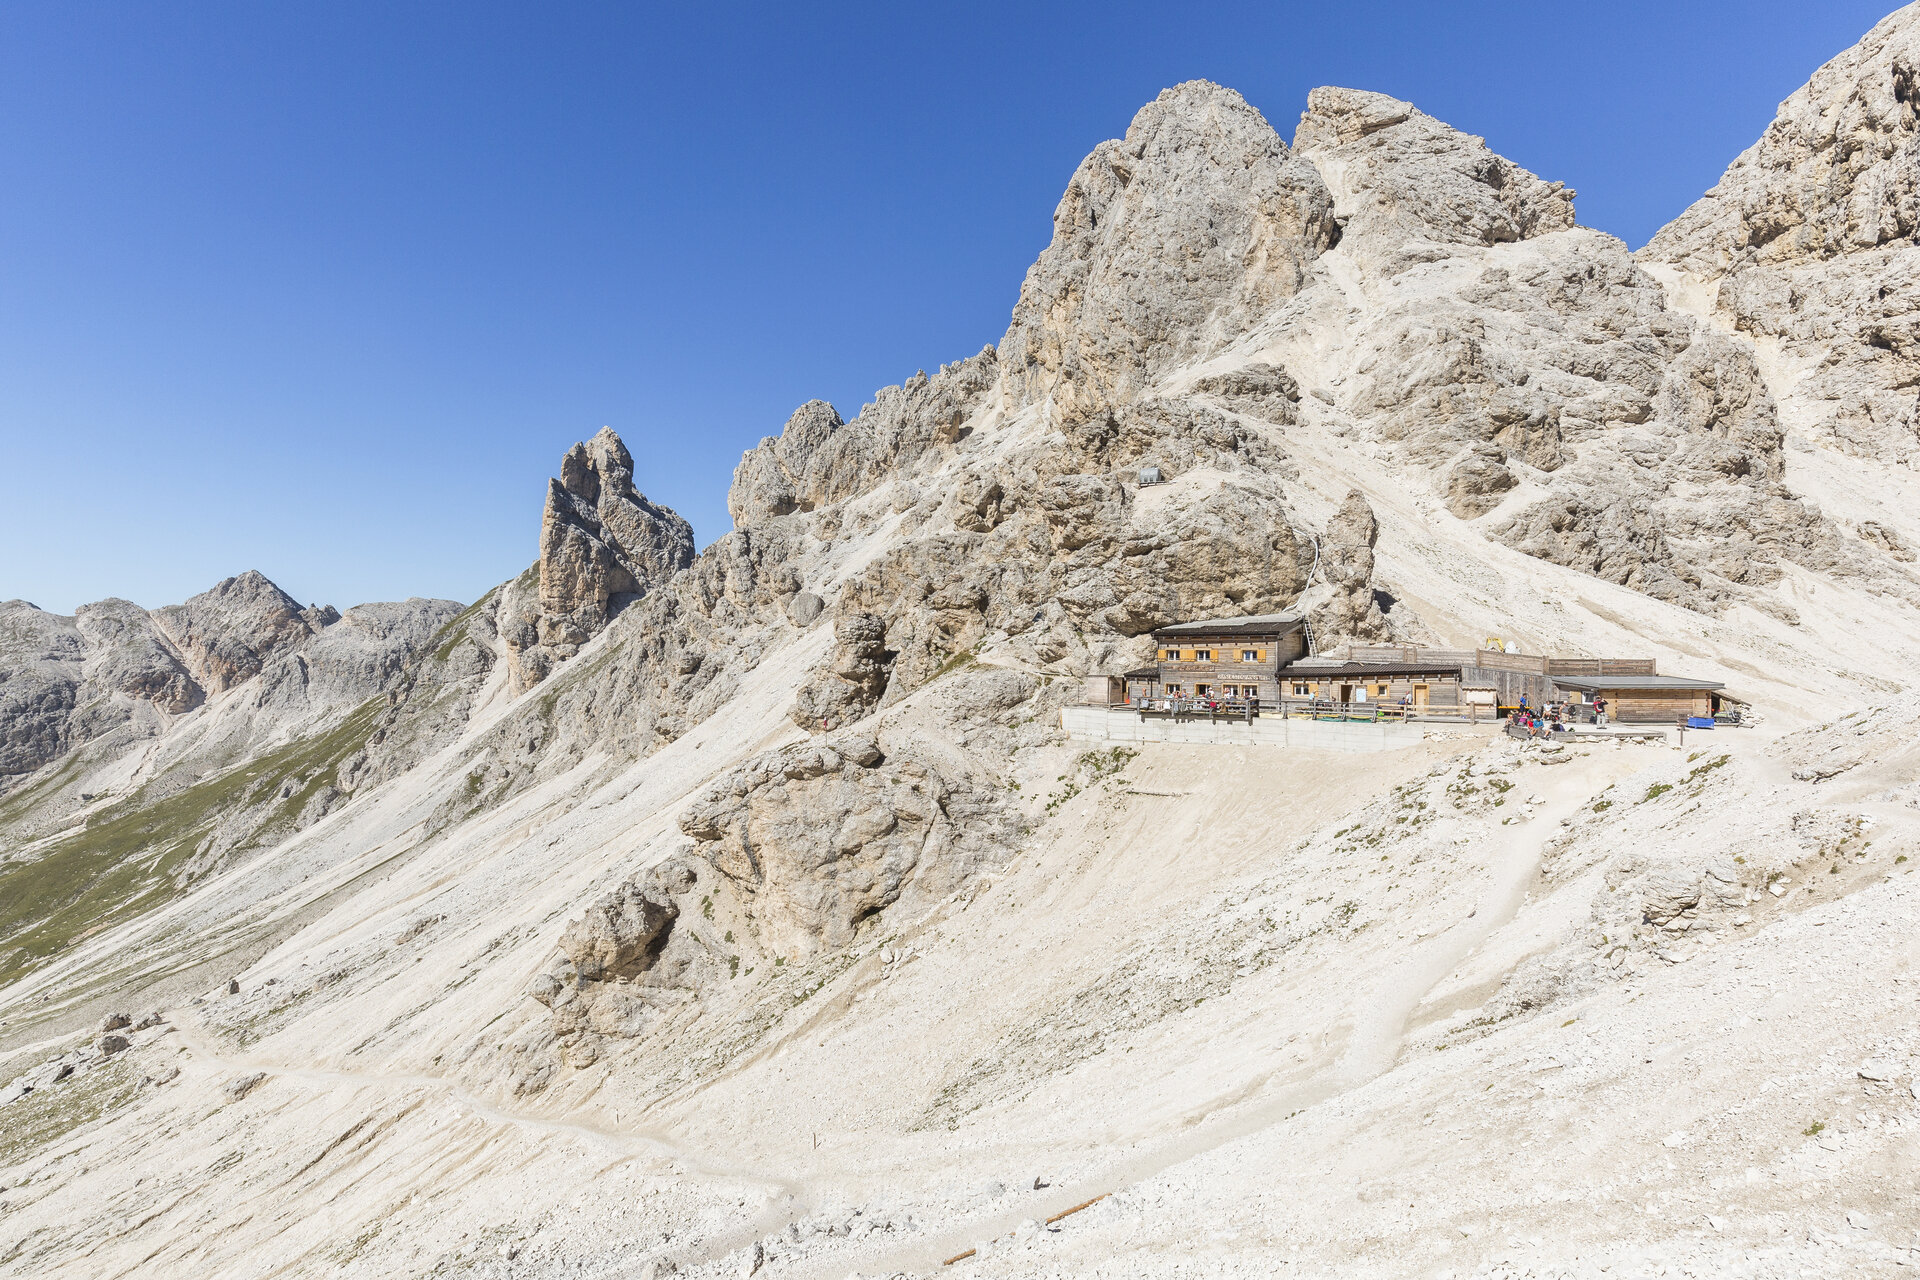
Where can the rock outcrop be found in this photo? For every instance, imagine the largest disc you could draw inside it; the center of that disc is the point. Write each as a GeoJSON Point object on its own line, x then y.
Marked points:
{"type": "Point", "coordinates": [853, 679]}
{"type": "Point", "coordinates": [1809, 239]}
{"type": "Point", "coordinates": [1346, 562]}
{"type": "Point", "coordinates": [623, 966]}
{"type": "Point", "coordinates": [1168, 244]}
{"type": "Point", "coordinates": [1421, 181]}
{"type": "Point", "coordinates": [817, 460]}
{"type": "Point", "coordinates": [227, 634]}
{"type": "Point", "coordinates": [817, 837]}
{"type": "Point", "coordinates": [602, 546]}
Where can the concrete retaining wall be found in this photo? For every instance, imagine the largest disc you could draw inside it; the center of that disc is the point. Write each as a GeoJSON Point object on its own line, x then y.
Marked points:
{"type": "Point", "coordinates": [1119, 724]}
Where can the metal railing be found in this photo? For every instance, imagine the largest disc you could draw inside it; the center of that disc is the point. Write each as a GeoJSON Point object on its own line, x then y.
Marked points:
{"type": "Point", "coordinates": [1217, 709]}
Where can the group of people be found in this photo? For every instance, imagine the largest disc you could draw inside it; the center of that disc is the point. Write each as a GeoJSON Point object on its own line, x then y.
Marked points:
{"type": "Point", "coordinates": [1552, 718]}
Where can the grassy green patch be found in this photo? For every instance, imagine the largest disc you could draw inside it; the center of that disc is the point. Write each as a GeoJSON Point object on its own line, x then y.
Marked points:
{"type": "Point", "coordinates": [964, 658]}
{"type": "Point", "coordinates": [454, 630]}
{"type": "Point", "coordinates": [1700, 771]}
{"type": "Point", "coordinates": [49, 1114]}
{"type": "Point", "coordinates": [133, 857]}
{"type": "Point", "coordinates": [22, 802]}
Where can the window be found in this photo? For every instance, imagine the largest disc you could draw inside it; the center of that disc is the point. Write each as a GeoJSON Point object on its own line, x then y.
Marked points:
{"type": "Point", "coordinates": [1203, 655]}
{"type": "Point", "coordinates": [1249, 655]}
{"type": "Point", "coordinates": [1173, 655]}
{"type": "Point", "coordinates": [1302, 691]}
{"type": "Point", "coordinates": [1174, 689]}
{"type": "Point", "coordinates": [1202, 690]}
{"type": "Point", "coordinates": [1380, 690]}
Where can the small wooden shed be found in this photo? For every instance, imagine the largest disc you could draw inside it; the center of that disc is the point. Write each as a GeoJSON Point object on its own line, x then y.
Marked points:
{"type": "Point", "coordinates": [1645, 699]}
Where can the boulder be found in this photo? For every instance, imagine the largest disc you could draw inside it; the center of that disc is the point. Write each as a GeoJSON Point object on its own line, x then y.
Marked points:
{"type": "Point", "coordinates": [242, 1085]}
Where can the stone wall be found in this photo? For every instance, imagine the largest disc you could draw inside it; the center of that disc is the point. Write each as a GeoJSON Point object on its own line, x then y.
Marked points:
{"type": "Point", "coordinates": [1115, 724]}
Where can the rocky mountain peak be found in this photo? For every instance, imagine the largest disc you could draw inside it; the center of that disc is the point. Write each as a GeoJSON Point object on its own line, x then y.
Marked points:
{"type": "Point", "coordinates": [1812, 238]}
{"type": "Point", "coordinates": [226, 634]}
{"type": "Point", "coordinates": [1166, 244]}
{"type": "Point", "coordinates": [1400, 175]}
{"type": "Point", "coordinates": [602, 543]}
{"type": "Point", "coordinates": [777, 479]}
{"type": "Point", "coordinates": [1836, 172]}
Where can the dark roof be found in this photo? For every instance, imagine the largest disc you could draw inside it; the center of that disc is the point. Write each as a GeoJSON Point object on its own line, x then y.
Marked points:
{"type": "Point", "coordinates": [1369, 670]}
{"type": "Point", "coordinates": [1143, 673]}
{"type": "Point", "coordinates": [1265, 624]}
{"type": "Point", "coordinates": [1634, 682]}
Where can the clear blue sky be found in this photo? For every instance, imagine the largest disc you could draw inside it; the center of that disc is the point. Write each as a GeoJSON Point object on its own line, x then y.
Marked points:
{"type": "Point", "coordinates": [326, 289]}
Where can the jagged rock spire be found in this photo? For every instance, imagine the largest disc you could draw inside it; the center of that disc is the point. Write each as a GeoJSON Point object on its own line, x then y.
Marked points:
{"type": "Point", "coordinates": [601, 543]}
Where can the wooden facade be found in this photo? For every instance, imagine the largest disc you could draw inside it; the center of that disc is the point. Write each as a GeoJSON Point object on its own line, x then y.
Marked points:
{"type": "Point", "coordinates": [1443, 687]}
{"type": "Point", "coordinates": [1227, 660]}
{"type": "Point", "coordinates": [1648, 699]}
{"type": "Point", "coordinates": [1264, 661]}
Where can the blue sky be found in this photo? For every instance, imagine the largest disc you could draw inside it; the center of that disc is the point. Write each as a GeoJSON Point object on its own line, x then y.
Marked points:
{"type": "Point", "coordinates": [326, 289]}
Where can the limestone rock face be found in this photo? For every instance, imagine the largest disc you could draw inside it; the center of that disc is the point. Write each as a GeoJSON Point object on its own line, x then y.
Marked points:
{"type": "Point", "coordinates": [619, 937]}
{"type": "Point", "coordinates": [355, 658]}
{"type": "Point", "coordinates": [227, 634]}
{"type": "Point", "coordinates": [126, 655]}
{"type": "Point", "coordinates": [628, 965]}
{"type": "Point", "coordinates": [624, 964]}
{"type": "Point", "coordinates": [1491, 343]}
{"type": "Point", "coordinates": [1809, 238]}
{"type": "Point", "coordinates": [818, 460]}
{"type": "Point", "coordinates": [818, 836]}
{"type": "Point", "coordinates": [1259, 390]}
{"type": "Point", "coordinates": [602, 545]}
{"type": "Point", "coordinates": [1837, 172]}
{"type": "Point", "coordinates": [853, 680]}
{"type": "Point", "coordinates": [41, 655]}
{"type": "Point", "coordinates": [1346, 561]}
{"type": "Point", "coordinates": [1422, 180]}
{"type": "Point", "coordinates": [1168, 243]}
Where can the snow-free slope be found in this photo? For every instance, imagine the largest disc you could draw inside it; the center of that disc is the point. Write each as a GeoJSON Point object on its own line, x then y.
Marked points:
{"type": "Point", "coordinates": [757, 918]}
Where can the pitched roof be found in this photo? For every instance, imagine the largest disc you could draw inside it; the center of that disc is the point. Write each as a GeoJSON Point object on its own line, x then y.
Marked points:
{"type": "Point", "coordinates": [1261, 624]}
{"type": "Point", "coordinates": [1368, 670]}
{"type": "Point", "coordinates": [1634, 682]}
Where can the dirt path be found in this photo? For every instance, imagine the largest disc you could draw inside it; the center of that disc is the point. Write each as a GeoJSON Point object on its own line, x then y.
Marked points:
{"type": "Point", "coordinates": [1369, 1052]}
{"type": "Point", "coordinates": [790, 1199]}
